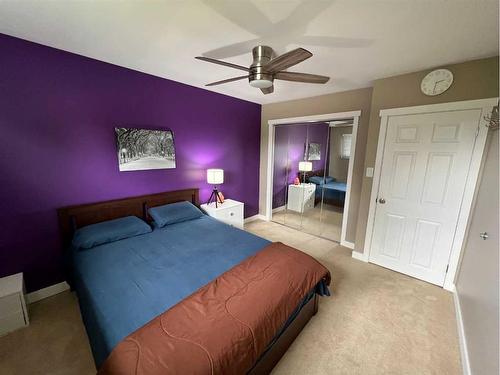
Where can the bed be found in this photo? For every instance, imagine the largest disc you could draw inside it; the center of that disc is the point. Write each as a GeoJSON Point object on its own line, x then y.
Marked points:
{"type": "Point", "coordinates": [124, 284]}
{"type": "Point", "coordinates": [327, 188]}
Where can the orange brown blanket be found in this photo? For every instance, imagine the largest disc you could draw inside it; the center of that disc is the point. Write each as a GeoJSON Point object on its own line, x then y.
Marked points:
{"type": "Point", "coordinates": [223, 327]}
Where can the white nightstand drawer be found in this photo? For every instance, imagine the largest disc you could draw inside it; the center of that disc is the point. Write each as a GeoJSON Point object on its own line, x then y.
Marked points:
{"type": "Point", "coordinates": [11, 322]}
{"type": "Point", "coordinates": [10, 305]}
{"type": "Point", "coordinates": [230, 212]}
{"type": "Point", "coordinates": [232, 215]}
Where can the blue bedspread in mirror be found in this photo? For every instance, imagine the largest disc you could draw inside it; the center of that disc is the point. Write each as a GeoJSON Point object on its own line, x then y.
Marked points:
{"type": "Point", "coordinates": [332, 192]}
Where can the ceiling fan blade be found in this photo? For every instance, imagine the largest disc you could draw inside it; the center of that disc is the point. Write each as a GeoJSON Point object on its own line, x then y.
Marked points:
{"type": "Point", "coordinates": [214, 61]}
{"type": "Point", "coordinates": [301, 77]}
{"type": "Point", "coordinates": [287, 60]}
{"type": "Point", "coordinates": [268, 90]}
{"type": "Point", "coordinates": [226, 81]}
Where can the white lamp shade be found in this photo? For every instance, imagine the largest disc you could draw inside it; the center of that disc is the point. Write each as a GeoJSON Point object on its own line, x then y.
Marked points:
{"type": "Point", "coordinates": [215, 176]}
{"type": "Point", "coordinates": [305, 166]}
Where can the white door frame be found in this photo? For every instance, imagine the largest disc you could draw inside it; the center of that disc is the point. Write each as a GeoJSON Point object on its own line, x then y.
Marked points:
{"type": "Point", "coordinates": [486, 106]}
{"type": "Point", "coordinates": [313, 119]}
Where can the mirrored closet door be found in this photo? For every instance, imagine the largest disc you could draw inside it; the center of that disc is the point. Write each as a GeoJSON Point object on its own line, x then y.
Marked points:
{"type": "Point", "coordinates": [309, 177]}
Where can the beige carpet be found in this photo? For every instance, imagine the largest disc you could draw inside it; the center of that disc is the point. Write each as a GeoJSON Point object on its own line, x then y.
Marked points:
{"type": "Point", "coordinates": [376, 322]}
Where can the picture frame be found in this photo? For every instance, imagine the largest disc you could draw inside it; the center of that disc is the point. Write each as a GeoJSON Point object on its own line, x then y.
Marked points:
{"type": "Point", "coordinates": [314, 151]}
{"type": "Point", "coordinates": [144, 149]}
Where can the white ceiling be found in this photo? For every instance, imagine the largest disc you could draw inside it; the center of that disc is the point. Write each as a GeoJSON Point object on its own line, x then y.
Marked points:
{"type": "Point", "coordinates": [353, 41]}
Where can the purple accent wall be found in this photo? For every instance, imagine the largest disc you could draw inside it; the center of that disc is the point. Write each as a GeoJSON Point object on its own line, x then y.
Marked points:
{"type": "Point", "coordinates": [57, 146]}
{"type": "Point", "coordinates": [289, 147]}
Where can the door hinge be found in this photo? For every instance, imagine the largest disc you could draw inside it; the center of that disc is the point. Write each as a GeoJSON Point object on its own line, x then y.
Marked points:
{"type": "Point", "coordinates": [447, 266]}
{"type": "Point", "coordinates": [477, 132]}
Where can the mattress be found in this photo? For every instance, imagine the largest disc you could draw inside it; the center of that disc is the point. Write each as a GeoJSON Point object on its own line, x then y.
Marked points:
{"type": "Point", "coordinates": [124, 284]}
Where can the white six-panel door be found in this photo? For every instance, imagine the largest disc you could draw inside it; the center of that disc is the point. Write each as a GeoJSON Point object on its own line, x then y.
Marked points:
{"type": "Point", "coordinates": [424, 171]}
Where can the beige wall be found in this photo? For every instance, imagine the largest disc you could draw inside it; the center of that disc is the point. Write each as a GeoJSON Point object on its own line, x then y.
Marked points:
{"type": "Point", "coordinates": [477, 280]}
{"type": "Point", "coordinates": [340, 102]}
{"type": "Point", "coordinates": [472, 80]}
{"type": "Point", "coordinates": [338, 167]}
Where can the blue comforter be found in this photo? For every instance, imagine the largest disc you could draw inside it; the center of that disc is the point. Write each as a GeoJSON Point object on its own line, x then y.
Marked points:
{"type": "Point", "coordinates": [331, 191]}
{"type": "Point", "coordinates": [124, 284]}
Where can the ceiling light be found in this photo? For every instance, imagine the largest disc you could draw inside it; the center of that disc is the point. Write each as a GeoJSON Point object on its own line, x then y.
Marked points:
{"type": "Point", "coordinates": [261, 83]}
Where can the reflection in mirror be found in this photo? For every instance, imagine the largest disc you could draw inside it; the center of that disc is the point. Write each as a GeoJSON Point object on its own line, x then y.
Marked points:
{"type": "Point", "coordinates": [280, 172]}
{"type": "Point", "coordinates": [335, 179]}
{"type": "Point", "coordinates": [316, 151]}
{"type": "Point", "coordinates": [289, 151]}
{"type": "Point", "coordinates": [310, 174]}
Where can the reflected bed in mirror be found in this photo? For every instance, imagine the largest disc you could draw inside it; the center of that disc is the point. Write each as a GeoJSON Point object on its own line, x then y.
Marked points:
{"type": "Point", "coordinates": [314, 200]}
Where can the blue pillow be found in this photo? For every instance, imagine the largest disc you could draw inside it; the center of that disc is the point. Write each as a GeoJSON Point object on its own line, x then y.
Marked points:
{"type": "Point", "coordinates": [109, 231]}
{"type": "Point", "coordinates": [174, 213]}
{"type": "Point", "coordinates": [318, 180]}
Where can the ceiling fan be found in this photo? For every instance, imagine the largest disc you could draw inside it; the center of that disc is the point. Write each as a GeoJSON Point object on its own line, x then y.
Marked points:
{"type": "Point", "coordinates": [266, 68]}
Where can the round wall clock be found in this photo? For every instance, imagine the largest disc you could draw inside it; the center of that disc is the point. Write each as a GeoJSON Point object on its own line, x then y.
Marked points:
{"type": "Point", "coordinates": [436, 82]}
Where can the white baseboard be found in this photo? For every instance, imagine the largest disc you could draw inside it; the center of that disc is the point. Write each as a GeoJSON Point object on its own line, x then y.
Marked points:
{"type": "Point", "coordinates": [360, 256]}
{"type": "Point", "coordinates": [461, 333]}
{"type": "Point", "coordinates": [278, 209]}
{"type": "Point", "coordinates": [347, 244]}
{"type": "Point", "coordinates": [49, 291]}
{"type": "Point", "coordinates": [254, 217]}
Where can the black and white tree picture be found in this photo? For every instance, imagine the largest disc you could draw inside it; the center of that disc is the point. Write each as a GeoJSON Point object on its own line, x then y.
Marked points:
{"type": "Point", "coordinates": [314, 151]}
{"type": "Point", "coordinates": [140, 149]}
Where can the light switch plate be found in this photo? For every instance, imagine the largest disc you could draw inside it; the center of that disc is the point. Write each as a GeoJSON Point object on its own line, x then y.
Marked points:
{"type": "Point", "coordinates": [369, 172]}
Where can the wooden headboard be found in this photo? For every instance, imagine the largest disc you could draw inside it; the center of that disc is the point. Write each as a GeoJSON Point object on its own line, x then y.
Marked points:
{"type": "Point", "coordinates": [73, 217]}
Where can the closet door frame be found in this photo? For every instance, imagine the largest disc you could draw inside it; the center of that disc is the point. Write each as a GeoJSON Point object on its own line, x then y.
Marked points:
{"type": "Point", "coordinates": [313, 119]}
{"type": "Point", "coordinates": [486, 106]}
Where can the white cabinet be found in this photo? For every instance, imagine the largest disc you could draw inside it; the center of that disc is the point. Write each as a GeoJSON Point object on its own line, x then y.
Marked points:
{"type": "Point", "coordinates": [13, 311]}
{"type": "Point", "coordinates": [301, 197]}
{"type": "Point", "coordinates": [229, 212]}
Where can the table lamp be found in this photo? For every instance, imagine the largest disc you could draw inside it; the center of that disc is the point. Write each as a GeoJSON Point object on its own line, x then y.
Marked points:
{"type": "Point", "coordinates": [215, 177]}
{"type": "Point", "coordinates": [305, 166]}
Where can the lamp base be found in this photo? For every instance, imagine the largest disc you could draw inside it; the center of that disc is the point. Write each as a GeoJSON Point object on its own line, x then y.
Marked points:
{"type": "Point", "coordinates": [214, 197]}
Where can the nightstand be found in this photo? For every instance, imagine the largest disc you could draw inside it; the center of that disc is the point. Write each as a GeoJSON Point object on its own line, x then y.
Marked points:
{"type": "Point", "coordinates": [13, 311]}
{"type": "Point", "coordinates": [229, 212]}
{"type": "Point", "coordinates": [301, 197]}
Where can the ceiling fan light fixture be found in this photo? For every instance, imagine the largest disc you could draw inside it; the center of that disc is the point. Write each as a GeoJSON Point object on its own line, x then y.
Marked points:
{"type": "Point", "coordinates": [261, 83]}
{"type": "Point", "coordinates": [265, 68]}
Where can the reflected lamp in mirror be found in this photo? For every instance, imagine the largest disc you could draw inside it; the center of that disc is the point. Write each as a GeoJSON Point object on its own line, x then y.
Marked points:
{"type": "Point", "coordinates": [305, 166]}
{"type": "Point", "coordinates": [215, 177]}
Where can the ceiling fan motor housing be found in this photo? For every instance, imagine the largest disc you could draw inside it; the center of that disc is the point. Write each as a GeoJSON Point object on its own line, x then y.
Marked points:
{"type": "Point", "coordinates": [258, 76]}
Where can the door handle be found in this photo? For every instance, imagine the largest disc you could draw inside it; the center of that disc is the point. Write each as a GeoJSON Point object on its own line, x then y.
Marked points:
{"type": "Point", "coordinates": [381, 201]}
{"type": "Point", "coordinates": [483, 235]}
